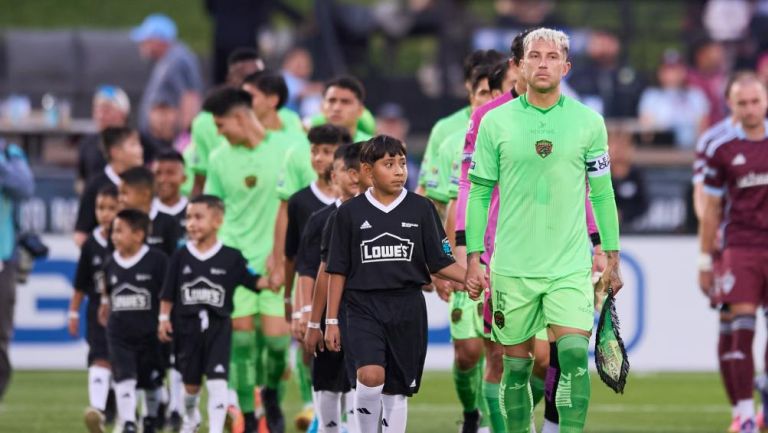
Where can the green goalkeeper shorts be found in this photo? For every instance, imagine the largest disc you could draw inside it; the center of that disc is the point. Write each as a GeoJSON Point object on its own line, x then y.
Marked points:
{"type": "Point", "coordinates": [466, 317]}
{"type": "Point", "coordinates": [522, 307]}
{"type": "Point", "coordinates": [266, 303]}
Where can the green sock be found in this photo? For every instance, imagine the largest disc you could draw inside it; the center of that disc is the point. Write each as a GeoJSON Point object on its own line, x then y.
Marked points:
{"type": "Point", "coordinates": [259, 351]}
{"type": "Point", "coordinates": [242, 368]}
{"type": "Point", "coordinates": [573, 389]}
{"type": "Point", "coordinates": [491, 394]}
{"type": "Point", "coordinates": [515, 394]}
{"type": "Point", "coordinates": [304, 377]}
{"type": "Point", "coordinates": [537, 389]}
{"type": "Point", "coordinates": [466, 387]}
{"type": "Point", "coordinates": [276, 349]}
{"type": "Point", "coordinates": [482, 404]}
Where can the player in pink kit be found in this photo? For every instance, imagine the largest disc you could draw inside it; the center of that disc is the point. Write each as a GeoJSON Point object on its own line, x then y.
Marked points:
{"type": "Point", "coordinates": [737, 173]}
{"type": "Point", "coordinates": [545, 370]}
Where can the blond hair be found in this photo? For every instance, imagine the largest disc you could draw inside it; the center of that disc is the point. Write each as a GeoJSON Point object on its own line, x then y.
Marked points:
{"type": "Point", "coordinates": [557, 37]}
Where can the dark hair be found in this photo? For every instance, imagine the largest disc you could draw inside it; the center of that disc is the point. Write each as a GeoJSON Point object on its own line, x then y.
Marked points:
{"type": "Point", "coordinates": [497, 75]}
{"type": "Point", "coordinates": [108, 190]}
{"type": "Point", "coordinates": [209, 200]}
{"type": "Point", "coordinates": [269, 83]}
{"type": "Point", "coordinates": [350, 153]}
{"type": "Point", "coordinates": [479, 74]}
{"type": "Point", "coordinates": [139, 177]}
{"type": "Point", "coordinates": [169, 155]}
{"type": "Point", "coordinates": [517, 49]}
{"type": "Point", "coordinates": [220, 101]}
{"type": "Point", "coordinates": [114, 136]}
{"type": "Point", "coordinates": [379, 147]}
{"type": "Point", "coordinates": [136, 219]}
{"type": "Point", "coordinates": [328, 134]}
{"type": "Point", "coordinates": [480, 57]}
{"type": "Point", "coordinates": [243, 54]}
{"type": "Point", "coordinates": [347, 82]}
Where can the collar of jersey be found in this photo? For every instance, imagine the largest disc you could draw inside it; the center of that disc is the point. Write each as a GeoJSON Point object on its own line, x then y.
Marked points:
{"type": "Point", "coordinates": [128, 262]}
{"type": "Point", "coordinates": [524, 101]}
{"type": "Point", "coordinates": [112, 174]}
{"type": "Point", "coordinates": [741, 135]}
{"type": "Point", "coordinates": [326, 199]}
{"type": "Point", "coordinates": [170, 210]}
{"type": "Point", "coordinates": [337, 203]}
{"type": "Point", "coordinates": [153, 210]}
{"type": "Point", "coordinates": [206, 255]}
{"type": "Point", "coordinates": [99, 238]}
{"type": "Point", "coordinates": [388, 208]}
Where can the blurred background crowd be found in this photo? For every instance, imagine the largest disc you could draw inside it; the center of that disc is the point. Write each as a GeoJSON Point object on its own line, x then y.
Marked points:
{"type": "Point", "coordinates": [655, 69]}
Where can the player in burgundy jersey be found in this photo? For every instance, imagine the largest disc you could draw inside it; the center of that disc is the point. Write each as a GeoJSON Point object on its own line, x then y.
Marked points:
{"type": "Point", "coordinates": [737, 172]}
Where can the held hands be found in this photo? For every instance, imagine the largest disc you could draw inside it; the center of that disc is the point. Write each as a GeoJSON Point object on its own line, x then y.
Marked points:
{"type": "Point", "coordinates": [475, 281]}
{"type": "Point", "coordinates": [611, 277]}
{"type": "Point", "coordinates": [332, 338]}
{"type": "Point", "coordinates": [165, 331]}
{"type": "Point", "coordinates": [276, 273]}
{"type": "Point", "coordinates": [444, 288]}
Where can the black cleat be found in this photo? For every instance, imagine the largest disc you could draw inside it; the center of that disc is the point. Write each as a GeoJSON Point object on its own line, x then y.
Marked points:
{"type": "Point", "coordinates": [129, 427]}
{"type": "Point", "coordinates": [150, 425]}
{"type": "Point", "coordinates": [174, 422]}
{"type": "Point", "coordinates": [275, 419]}
{"type": "Point", "coordinates": [471, 422]}
{"type": "Point", "coordinates": [160, 419]}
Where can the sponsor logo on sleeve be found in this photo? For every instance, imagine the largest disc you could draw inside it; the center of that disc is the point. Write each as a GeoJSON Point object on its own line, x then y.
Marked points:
{"type": "Point", "coordinates": [599, 166]}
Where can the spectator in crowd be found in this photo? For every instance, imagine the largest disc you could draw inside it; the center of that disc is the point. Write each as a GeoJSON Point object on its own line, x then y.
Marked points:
{"type": "Point", "coordinates": [524, 14]}
{"type": "Point", "coordinates": [16, 184]}
{"type": "Point", "coordinates": [603, 81]}
{"type": "Point", "coordinates": [391, 121]}
{"type": "Point", "coordinates": [674, 105]}
{"type": "Point", "coordinates": [739, 13]}
{"type": "Point", "coordinates": [111, 107]}
{"type": "Point", "coordinates": [709, 74]}
{"type": "Point", "coordinates": [304, 96]}
{"type": "Point", "coordinates": [175, 79]}
{"type": "Point", "coordinates": [162, 131]}
{"type": "Point", "coordinates": [628, 180]}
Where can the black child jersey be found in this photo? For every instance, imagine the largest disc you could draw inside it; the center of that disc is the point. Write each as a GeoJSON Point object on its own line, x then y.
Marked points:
{"type": "Point", "coordinates": [164, 232]}
{"type": "Point", "coordinates": [300, 207]}
{"type": "Point", "coordinates": [309, 255]}
{"type": "Point", "coordinates": [133, 286]}
{"type": "Point", "coordinates": [177, 211]}
{"type": "Point", "coordinates": [93, 254]}
{"type": "Point", "coordinates": [86, 212]}
{"type": "Point", "coordinates": [198, 281]}
{"type": "Point", "coordinates": [388, 247]}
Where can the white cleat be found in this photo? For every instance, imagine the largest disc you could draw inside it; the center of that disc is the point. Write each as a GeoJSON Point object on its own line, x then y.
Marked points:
{"type": "Point", "coordinates": [94, 420]}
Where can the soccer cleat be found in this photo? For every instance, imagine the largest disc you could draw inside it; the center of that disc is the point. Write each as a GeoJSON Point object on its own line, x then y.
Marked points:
{"type": "Point", "coordinates": [471, 422]}
{"type": "Point", "coordinates": [235, 422]}
{"type": "Point", "coordinates": [160, 419]}
{"type": "Point", "coordinates": [748, 426]}
{"type": "Point", "coordinates": [174, 422]}
{"type": "Point", "coordinates": [129, 427]}
{"type": "Point", "coordinates": [193, 426]}
{"type": "Point", "coordinates": [262, 425]}
{"type": "Point", "coordinates": [760, 420]}
{"type": "Point", "coordinates": [314, 427]}
{"type": "Point", "coordinates": [735, 424]}
{"type": "Point", "coordinates": [94, 420]}
{"type": "Point", "coordinates": [488, 430]}
{"type": "Point", "coordinates": [274, 415]}
{"type": "Point", "coordinates": [304, 418]}
{"type": "Point", "coordinates": [150, 425]}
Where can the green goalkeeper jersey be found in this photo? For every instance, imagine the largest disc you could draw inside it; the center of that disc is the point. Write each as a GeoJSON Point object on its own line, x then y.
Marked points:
{"type": "Point", "coordinates": [539, 158]}
{"type": "Point", "coordinates": [458, 121]}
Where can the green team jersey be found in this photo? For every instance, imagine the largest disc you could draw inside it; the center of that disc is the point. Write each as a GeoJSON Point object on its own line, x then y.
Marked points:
{"type": "Point", "coordinates": [444, 127]}
{"type": "Point", "coordinates": [366, 123]}
{"type": "Point", "coordinates": [189, 155]}
{"type": "Point", "coordinates": [291, 120]}
{"type": "Point", "coordinates": [296, 170]}
{"type": "Point", "coordinates": [448, 167]}
{"type": "Point", "coordinates": [246, 180]}
{"type": "Point", "coordinates": [540, 158]}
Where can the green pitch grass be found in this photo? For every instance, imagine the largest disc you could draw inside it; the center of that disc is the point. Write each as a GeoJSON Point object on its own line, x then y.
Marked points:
{"type": "Point", "coordinates": [47, 402]}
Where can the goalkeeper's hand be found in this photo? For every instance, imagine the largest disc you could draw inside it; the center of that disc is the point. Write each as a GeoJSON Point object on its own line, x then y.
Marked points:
{"type": "Point", "coordinates": [612, 275]}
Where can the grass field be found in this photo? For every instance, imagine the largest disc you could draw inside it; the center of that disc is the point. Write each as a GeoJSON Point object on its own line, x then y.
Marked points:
{"type": "Point", "coordinates": [52, 402]}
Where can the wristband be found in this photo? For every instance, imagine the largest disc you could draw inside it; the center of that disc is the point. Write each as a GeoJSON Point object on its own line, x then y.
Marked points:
{"type": "Point", "coordinates": [705, 262]}
{"type": "Point", "coordinates": [73, 314]}
{"type": "Point", "coordinates": [306, 309]}
{"type": "Point", "coordinates": [313, 325]}
{"type": "Point", "coordinates": [296, 315]}
{"type": "Point", "coordinates": [332, 322]}
{"type": "Point", "coordinates": [104, 300]}
{"type": "Point", "coordinates": [163, 318]}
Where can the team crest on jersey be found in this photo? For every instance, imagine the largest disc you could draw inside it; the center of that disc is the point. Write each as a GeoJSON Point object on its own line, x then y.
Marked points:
{"type": "Point", "coordinates": [456, 315]}
{"type": "Point", "coordinates": [202, 291]}
{"type": "Point", "coordinates": [127, 297]}
{"type": "Point", "coordinates": [251, 181]}
{"type": "Point", "coordinates": [498, 319]}
{"type": "Point", "coordinates": [386, 247]}
{"type": "Point", "coordinates": [543, 148]}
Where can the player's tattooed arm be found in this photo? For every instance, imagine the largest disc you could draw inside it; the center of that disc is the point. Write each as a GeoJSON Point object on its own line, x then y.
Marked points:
{"type": "Point", "coordinates": [710, 221]}
{"type": "Point", "coordinates": [164, 327]}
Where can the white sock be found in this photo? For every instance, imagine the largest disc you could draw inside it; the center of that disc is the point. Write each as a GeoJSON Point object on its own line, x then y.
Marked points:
{"type": "Point", "coordinates": [217, 405]}
{"type": "Point", "coordinates": [98, 386]}
{"type": "Point", "coordinates": [368, 407]}
{"type": "Point", "coordinates": [175, 391]}
{"type": "Point", "coordinates": [549, 427]}
{"type": "Point", "coordinates": [349, 409]}
{"type": "Point", "coordinates": [734, 412]}
{"type": "Point", "coordinates": [395, 413]}
{"type": "Point", "coordinates": [152, 399]}
{"type": "Point", "coordinates": [191, 413]}
{"type": "Point", "coordinates": [232, 398]}
{"type": "Point", "coordinates": [125, 394]}
{"type": "Point", "coordinates": [328, 411]}
{"type": "Point", "coordinates": [746, 409]}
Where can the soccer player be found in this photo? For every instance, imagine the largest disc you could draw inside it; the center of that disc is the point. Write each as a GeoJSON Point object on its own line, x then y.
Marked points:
{"type": "Point", "coordinates": [122, 150]}
{"type": "Point", "coordinates": [92, 256]}
{"type": "Point", "coordinates": [384, 245]}
{"type": "Point", "coordinates": [199, 285]}
{"type": "Point", "coordinates": [543, 278]}
{"type": "Point", "coordinates": [736, 188]}
{"type": "Point", "coordinates": [330, 379]}
{"type": "Point", "coordinates": [133, 277]}
{"type": "Point", "coordinates": [244, 175]}
{"type": "Point", "coordinates": [168, 169]}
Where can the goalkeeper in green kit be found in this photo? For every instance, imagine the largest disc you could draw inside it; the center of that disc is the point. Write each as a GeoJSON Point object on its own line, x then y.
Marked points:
{"type": "Point", "coordinates": [538, 150]}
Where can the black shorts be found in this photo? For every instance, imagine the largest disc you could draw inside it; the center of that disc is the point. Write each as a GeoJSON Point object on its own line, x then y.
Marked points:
{"type": "Point", "coordinates": [329, 370]}
{"type": "Point", "coordinates": [136, 357]}
{"type": "Point", "coordinates": [95, 334]}
{"type": "Point", "coordinates": [387, 328]}
{"type": "Point", "coordinates": [202, 352]}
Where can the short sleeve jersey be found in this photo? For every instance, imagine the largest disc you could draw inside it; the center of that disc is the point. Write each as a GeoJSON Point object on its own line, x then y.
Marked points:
{"type": "Point", "coordinates": [308, 256]}
{"type": "Point", "coordinates": [164, 232]}
{"type": "Point", "coordinates": [716, 132]}
{"type": "Point", "coordinates": [538, 158]}
{"type": "Point", "coordinates": [738, 169]}
{"type": "Point", "coordinates": [93, 254]}
{"type": "Point", "coordinates": [198, 281]}
{"type": "Point", "coordinates": [86, 212]}
{"type": "Point", "coordinates": [177, 211]}
{"type": "Point", "coordinates": [296, 170]}
{"type": "Point", "coordinates": [325, 238]}
{"type": "Point", "coordinates": [300, 207]}
{"type": "Point", "coordinates": [246, 180]}
{"type": "Point", "coordinates": [448, 168]}
{"type": "Point", "coordinates": [133, 286]}
{"type": "Point", "coordinates": [442, 129]}
{"type": "Point", "coordinates": [396, 246]}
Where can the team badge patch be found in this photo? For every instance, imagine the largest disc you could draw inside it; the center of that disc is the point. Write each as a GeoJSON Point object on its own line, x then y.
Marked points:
{"type": "Point", "coordinates": [251, 181]}
{"type": "Point", "coordinates": [543, 148]}
{"type": "Point", "coordinates": [498, 319]}
{"type": "Point", "coordinates": [456, 315]}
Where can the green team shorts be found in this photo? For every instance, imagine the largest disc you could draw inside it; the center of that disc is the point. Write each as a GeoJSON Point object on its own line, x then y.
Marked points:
{"type": "Point", "coordinates": [245, 303]}
{"type": "Point", "coordinates": [272, 303]}
{"type": "Point", "coordinates": [522, 307]}
{"type": "Point", "coordinates": [466, 317]}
